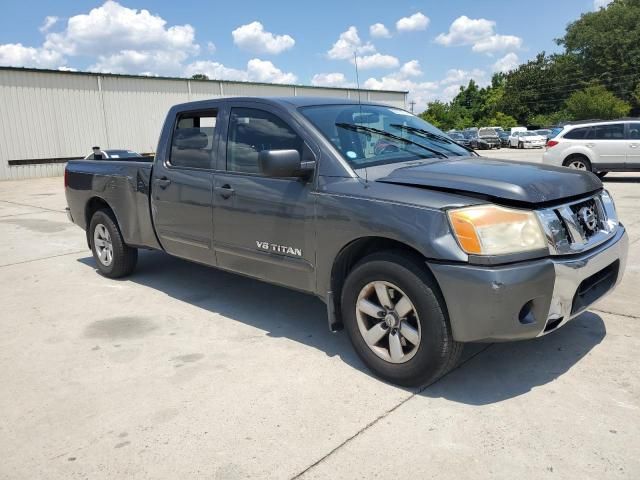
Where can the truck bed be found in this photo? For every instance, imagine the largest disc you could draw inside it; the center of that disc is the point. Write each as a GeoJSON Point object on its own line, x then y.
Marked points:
{"type": "Point", "coordinates": [122, 184]}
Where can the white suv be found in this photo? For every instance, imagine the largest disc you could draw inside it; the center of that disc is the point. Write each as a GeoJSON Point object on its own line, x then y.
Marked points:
{"type": "Point", "coordinates": [599, 147]}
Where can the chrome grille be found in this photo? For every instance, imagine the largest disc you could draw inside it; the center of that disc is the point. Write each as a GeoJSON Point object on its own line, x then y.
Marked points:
{"type": "Point", "coordinates": [578, 226]}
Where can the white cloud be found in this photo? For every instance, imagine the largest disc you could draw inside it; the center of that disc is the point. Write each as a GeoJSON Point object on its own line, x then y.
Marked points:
{"type": "Point", "coordinates": [462, 76]}
{"type": "Point", "coordinates": [480, 34]}
{"type": "Point", "coordinates": [347, 44]}
{"type": "Point", "coordinates": [211, 47]}
{"type": "Point", "coordinates": [506, 63]}
{"type": "Point", "coordinates": [411, 69]}
{"type": "Point", "coordinates": [215, 71]}
{"type": "Point", "coordinates": [257, 71]}
{"type": "Point", "coordinates": [378, 30]}
{"type": "Point", "coordinates": [17, 55]}
{"type": "Point", "coordinates": [598, 4]}
{"type": "Point", "coordinates": [334, 79]}
{"type": "Point", "coordinates": [111, 29]}
{"type": "Point", "coordinates": [252, 37]}
{"type": "Point", "coordinates": [497, 43]}
{"type": "Point", "coordinates": [417, 21]}
{"type": "Point", "coordinates": [48, 22]}
{"type": "Point", "coordinates": [142, 62]}
{"type": "Point", "coordinates": [377, 60]}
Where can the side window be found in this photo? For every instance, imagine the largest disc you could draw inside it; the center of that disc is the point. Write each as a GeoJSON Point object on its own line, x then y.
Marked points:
{"type": "Point", "coordinates": [252, 131]}
{"type": "Point", "coordinates": [192, 142]}
{"type": "Point", "coordinates": [609, 132]}
{"type": "Point", "coordinates": [577, 133]}
{"type": "Point", "coordinates": [634, 131]}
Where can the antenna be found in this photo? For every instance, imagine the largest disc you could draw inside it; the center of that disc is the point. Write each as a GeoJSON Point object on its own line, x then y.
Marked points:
{"type": "Point", "coordinates": [355, 61]}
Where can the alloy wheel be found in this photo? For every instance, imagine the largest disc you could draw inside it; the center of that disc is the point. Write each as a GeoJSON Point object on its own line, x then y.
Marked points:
{"type": "Point", "coordinates": [388, 322]}
{"type": "Point", "coordinates": [103, 245]}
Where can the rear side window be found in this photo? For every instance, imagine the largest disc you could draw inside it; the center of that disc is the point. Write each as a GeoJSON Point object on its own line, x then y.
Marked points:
{"type": "Point", "coordinates": [252, 131]}
{"type": "Point", "coordinates": [577, 133]}
{"type": "Point", "coordinates": [192, 141]}
{"type": "Point", "coordinates": [608, 132]}
{"type": "Point", "coordinates": [634, 131]}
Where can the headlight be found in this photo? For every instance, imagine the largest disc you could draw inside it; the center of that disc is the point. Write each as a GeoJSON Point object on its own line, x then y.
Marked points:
{"type": "Point", "coordinates": [610, 210]}
{"type": "Point", "coordinates": [494, 230]}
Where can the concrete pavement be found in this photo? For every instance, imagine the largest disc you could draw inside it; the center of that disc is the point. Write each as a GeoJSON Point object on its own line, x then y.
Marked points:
{"type": "Point", "coordinates": [185, 371]}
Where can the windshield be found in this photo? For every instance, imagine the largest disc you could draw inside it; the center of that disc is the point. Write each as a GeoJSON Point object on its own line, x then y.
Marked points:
{"type": "Point", "coordinates": [528, 134]}
{"type": "Point", "coordinates": [368, 135]}
{"type": "Point", "coordinates": [456, 136]}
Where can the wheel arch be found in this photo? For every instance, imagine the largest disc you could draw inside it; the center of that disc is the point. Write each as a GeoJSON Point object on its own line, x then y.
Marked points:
{"type": "Point", "coordinates": [94, 204]}
{"type": "Point", "coordinates": [350, 255]}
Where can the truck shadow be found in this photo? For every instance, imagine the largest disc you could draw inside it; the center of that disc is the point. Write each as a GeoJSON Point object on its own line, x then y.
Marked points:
{"type": "Point", "coordinates": [507, 370]}
{"type": "Point", "coordinates": [486, 375]}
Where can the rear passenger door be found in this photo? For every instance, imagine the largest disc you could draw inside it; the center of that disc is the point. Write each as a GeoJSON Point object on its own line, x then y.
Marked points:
{"type": "Point", "coordinates": [633, 145]}
{"type": "Point", "coordinates": [182, 185]}
{"type": "Point", "coordinates": [609, 145]}
{"type": "Point", "coordinates": [264, 227]}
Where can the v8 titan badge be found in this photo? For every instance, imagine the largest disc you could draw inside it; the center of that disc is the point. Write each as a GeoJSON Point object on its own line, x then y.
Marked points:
{"type": "Point", "coordinates": [282, 249]}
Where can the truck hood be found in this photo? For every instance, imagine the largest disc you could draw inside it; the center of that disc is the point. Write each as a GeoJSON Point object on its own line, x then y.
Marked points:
{"type": "Point", "coordinates": [501, 181]}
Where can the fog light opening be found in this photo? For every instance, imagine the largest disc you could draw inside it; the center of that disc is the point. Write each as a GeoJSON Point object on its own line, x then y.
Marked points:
{"type": "Point", "coordinates": [526, 316]}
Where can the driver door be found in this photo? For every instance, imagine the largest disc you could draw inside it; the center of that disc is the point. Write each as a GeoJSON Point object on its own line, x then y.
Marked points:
{"type": "Point", "coordinates": [264, 226]}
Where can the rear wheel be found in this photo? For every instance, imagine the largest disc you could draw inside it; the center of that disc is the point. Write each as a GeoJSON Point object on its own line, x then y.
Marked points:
{"type": "Point", "coordinates": [578, 162]}
{"type": "Point", "coordinates": [397, 321]}
{"type": "Point", "coordinates": [114, 258]}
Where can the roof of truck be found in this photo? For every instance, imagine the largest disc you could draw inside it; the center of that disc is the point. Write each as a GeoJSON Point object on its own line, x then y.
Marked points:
{"type": "Point", "coordinates": [285, 102]}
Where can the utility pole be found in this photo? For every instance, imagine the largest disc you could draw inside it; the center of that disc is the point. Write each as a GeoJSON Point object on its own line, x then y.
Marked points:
{"type": "Point", "coordinates": [413, 104]}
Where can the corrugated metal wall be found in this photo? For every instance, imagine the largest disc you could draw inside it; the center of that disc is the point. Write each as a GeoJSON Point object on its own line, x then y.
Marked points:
{"type": "Point", "coordinates": [56, 115]}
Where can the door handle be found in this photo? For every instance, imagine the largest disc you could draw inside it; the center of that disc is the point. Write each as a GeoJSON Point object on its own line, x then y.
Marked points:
{"type": "Point", "coordinates": [163, 182]}
{"type": "Point", "coordinates": [634, 145]}
{"type": "Point", "coordinates": [225, 191]}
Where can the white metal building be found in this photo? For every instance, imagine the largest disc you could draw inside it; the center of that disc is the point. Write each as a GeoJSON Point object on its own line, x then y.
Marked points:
{"type": "Point", "coordinates": [48, 117]}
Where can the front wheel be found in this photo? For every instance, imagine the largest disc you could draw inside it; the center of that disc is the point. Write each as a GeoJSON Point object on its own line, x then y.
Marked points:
{"type": "Point", "coordinates": [397, 321]}
{"type": "Point", "coordinates": [114, 258]}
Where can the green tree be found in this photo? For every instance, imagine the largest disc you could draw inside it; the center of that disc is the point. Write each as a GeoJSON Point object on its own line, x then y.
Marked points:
{"type": "Point", "coordinates": [498, 119]}
{"type": "Point", "coordinates": [596, 101]}
{"type": "Point", "coordinates": [199, 76]}
{"type": "Point", "coordinates": [606, 45]}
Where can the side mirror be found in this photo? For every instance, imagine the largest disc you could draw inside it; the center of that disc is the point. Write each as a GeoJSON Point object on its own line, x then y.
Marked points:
{"type": "Point", "coordinates": [283, 163]}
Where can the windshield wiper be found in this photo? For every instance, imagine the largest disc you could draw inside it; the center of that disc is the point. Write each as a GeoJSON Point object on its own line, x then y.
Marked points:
{"type": "Point", "coordinates": [430, 135]}
{"type": "Point", "coordinates": [382, 133]}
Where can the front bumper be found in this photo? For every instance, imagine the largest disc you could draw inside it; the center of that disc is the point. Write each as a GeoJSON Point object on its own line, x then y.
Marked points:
{"type": "Point", "coordinates": [528, 299]}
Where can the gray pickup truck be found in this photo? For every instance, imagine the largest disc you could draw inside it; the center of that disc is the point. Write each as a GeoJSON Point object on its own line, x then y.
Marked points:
{"type": "Point", "coordinates": [415, 244]}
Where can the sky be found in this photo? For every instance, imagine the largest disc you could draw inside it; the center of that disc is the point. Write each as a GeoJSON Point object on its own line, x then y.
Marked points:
{"type": "Point", "coordinates": [428, 47]}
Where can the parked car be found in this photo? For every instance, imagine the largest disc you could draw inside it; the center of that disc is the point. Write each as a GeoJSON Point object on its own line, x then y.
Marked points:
{"type": "Point", "coordinates": [544, 132]}
{"type": "Point", "coordinates": [504, 139]}
{"type": "Point", "coordinates": [475, 141]}
{"type": "Point", "coordinates": [111, 154]}
{"type": "Point", "coordinates": [490, 137]}
{"type": "Point", "coordinates": [415, 244]}
{"type": "Point", "coordinates": [599, 147]}
{"type": "Point", "coordinates": [526, 139]}
{"type": "Point", "coordinates": [460, 138]}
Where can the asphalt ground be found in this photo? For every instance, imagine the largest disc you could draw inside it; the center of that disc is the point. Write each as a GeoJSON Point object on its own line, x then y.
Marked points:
{"type": "Point", "coordinates": [181, 371]}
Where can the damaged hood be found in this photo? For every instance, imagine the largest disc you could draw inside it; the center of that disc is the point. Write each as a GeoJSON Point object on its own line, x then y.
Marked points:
{"type": "Point", "coordinates": [499, 180]}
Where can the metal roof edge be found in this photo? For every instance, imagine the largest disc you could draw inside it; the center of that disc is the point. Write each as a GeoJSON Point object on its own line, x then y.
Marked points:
{"type": "Point", "coordinates": [149, 77]}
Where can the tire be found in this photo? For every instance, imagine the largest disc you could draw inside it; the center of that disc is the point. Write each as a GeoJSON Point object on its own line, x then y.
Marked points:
{"type": "Point", "coordinates": [113, 257]}
{"type": "Point", "coordinates": [578, 162]}
{"type": "Point", "coordinates": [431, 353]}
{"type": "Point", "coordinates": [520, 146]}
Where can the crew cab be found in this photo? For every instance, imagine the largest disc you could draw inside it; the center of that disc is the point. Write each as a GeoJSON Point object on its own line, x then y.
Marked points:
{"type": "Point", "coordinates": [415, 244]}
